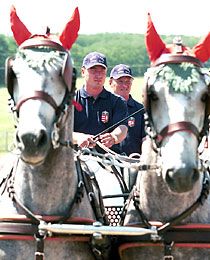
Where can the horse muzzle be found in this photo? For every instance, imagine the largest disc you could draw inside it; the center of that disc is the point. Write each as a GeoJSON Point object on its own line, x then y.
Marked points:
{"type": "Point", "coordinates": [33, 146]}
{"type": "Point", "coordinates": [182, 179]}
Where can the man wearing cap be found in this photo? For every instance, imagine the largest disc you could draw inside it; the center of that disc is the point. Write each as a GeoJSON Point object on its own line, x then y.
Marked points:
{"type": "Point", "coordinates": [121, 80]}
{"type": "Point", "coordinates": [100, 108]}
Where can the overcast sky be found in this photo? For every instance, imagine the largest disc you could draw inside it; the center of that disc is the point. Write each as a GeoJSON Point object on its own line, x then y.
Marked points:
{"type": "Point", "coordinates": [177, 17]}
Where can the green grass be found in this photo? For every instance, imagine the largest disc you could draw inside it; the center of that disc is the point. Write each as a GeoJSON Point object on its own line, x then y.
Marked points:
{"type": "Point", "coordinates": [6, 117]}
{"type": "Point", "coordinates": [7, 121]}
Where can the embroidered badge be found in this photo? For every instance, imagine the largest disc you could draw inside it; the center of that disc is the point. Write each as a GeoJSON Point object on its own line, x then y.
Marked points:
{"type": "Point", "coordinates": [131, 122]}
{"type": "Point", "coordinates": [104, 116]}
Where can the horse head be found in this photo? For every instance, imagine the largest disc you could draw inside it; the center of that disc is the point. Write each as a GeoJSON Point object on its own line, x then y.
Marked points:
{"type": "Point", "coordinates": [40, 79]}
{"type": "Point", "coordinates": [176, 97]}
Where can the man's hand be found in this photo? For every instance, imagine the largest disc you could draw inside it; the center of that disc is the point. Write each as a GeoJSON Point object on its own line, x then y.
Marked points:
{"type": "Point", "coordinates": [107, 139]}
{"type": "Point", "coordinates": [85, 140]}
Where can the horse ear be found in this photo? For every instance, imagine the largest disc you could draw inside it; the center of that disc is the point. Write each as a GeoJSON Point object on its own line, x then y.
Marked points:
{"type": "Point", "coordinates": [202, 49]}
{"type": "Point", "coordinates": [70, 32]}
{"type": "Point", "coordinates": [19, 30]}
{"type": "Point", "coordinates": [155, 46]}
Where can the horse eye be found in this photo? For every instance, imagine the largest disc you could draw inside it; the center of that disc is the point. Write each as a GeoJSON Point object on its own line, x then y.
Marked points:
{"type": "Point", "coordinates": [60, 73]}
{"type": "Point", "coordinates": [153, 96]}
{"type": "Point", "coordinates": [204, 97]}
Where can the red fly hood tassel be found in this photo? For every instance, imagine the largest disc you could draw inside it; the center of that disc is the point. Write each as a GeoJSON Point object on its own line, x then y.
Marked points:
{"type": "Point", "coordinates": [19, 30]}
{"type": "Point", "coordinates": [77, 105]}
{"type": "Point", "coordinates": [202, 49]}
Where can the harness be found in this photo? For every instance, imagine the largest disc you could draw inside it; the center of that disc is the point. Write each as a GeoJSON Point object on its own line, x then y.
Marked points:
{"type": "Point", "coordinates": [26, 227]}
{"type": "Point", "coordinates": [170, 233]}
{"type": "Point", "coordinates": [177, 126]}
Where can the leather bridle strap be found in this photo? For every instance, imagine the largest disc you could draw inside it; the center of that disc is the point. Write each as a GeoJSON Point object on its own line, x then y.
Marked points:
{"type": "Point", "coordinates": [177, 58]}
{"type": "Point", "coordinates": [176, 127]}
{"type": "Point", "coordinates": [37, 95]}
{"type": "Point", "coordinates": [33, 43]}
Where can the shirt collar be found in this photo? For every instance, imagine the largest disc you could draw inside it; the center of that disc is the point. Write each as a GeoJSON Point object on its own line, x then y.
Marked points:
{"type": "Point", "coordinates": [130, 101]}
{"type": "Point", "coordinates": [84, 93]}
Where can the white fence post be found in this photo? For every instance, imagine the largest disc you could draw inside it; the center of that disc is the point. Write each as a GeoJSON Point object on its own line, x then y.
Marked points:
{"type": "Point", "coordinates": [5, 140]}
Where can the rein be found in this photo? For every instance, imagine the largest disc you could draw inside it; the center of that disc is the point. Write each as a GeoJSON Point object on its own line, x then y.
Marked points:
{"type": "Point", "coordinates": [109, 157]}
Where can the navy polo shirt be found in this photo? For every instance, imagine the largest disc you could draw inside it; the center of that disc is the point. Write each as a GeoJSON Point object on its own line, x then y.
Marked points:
{"type": "Point", "coordinates": [136, 131]}
{"type": "Point", "coordinates": [100, 113]}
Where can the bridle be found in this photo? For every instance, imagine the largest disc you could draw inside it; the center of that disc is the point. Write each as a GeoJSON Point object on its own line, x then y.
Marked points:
{"type": "Point", "coordinates": [157, 139]}
{"type": "Point", "coordinates": [170, 129]}
{"type": "Point", "coordinates": [69, 77]}
{"type": "Point", "coordinates": [85, 183]}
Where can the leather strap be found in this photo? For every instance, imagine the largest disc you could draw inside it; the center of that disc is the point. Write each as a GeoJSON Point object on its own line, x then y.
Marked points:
{"type": "Point", "coordinates": [176, 127]}
{"type": "Point", "coordinates": [38, 95]}
{"type": "Point", "coordinates": [36, 42]}
{"type": "Point", "coordinates": [168, 58]}
{"type": "Point", "coordinates": [18, 228]}
{"type": "Point", "coordinates": [24, 227]}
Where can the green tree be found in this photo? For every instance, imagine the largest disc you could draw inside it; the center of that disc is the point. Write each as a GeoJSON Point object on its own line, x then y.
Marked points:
{"type": "Point", "coordinates": [7, 48]}
{"type": "Point", "coordinates": [118, 47]}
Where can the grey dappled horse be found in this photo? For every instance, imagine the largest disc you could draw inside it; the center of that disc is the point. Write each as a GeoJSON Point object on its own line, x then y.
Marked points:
{"type": "Point", "coordinates": [174, 189]}
{"type": "Point", "coordinates": [41, 182]}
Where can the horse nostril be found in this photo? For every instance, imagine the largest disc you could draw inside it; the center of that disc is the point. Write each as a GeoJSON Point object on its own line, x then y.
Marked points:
{"type": "Point", "coordinates": [195, 176]}
{"type": "Point", "coordinates": [33, 140]}
{"type": "Point", "coordinates": [182, 179]}
{"type": "Point", "coordinates": [42, 138]}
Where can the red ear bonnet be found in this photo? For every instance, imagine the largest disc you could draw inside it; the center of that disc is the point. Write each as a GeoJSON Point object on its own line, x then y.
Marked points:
{"type": "Point", "coordinates": [67, 37]}
{"type": "Point", "coordinates": [155, 46]}
{"type": "Point", "coordinates": [19, 30]}
{"type": "Point", "coordinates": [202, 49]}
{"type": "Point", "coordinates": [70, 32]}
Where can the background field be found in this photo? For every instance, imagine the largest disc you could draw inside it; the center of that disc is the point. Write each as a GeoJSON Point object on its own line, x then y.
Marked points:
{"type": "Point", "coordinates": [7, 120]}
